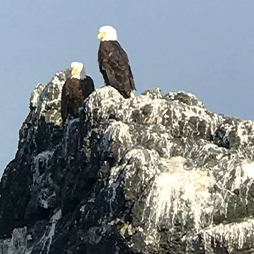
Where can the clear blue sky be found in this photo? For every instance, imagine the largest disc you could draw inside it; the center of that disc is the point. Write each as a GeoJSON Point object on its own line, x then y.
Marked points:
{"type": "Point", "coordinates": [200, 46]}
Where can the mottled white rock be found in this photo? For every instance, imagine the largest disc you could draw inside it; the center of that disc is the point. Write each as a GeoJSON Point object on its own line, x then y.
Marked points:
{"type": "Point", "coordinates": [148, 174]}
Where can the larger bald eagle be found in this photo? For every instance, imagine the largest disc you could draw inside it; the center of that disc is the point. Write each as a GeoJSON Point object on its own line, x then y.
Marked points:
{"type": "Point", "coordinates": [74, 91]}
{"type": "Point", "coordinates": [113, 62]}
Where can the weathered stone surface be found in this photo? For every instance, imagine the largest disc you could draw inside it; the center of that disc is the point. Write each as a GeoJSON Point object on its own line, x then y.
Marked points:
{"type": "Point", "coordinates": [149, 174]}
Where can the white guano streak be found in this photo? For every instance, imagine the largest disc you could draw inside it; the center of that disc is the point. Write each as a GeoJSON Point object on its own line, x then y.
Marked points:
{"type": "Point", "coordinates": [47, 239]}
{"type": "Point", "coordinates": [172, 190]}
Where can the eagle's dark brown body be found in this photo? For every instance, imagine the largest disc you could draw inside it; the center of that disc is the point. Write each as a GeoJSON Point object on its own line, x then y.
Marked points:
{"type": "Point", "coordinates": [115, 68]}
{"type": "Point", "coordinates": [73, 94]}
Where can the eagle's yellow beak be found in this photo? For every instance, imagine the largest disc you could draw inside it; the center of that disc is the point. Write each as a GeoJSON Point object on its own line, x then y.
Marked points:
{"type": "Point", "coordinates": [101, 35]}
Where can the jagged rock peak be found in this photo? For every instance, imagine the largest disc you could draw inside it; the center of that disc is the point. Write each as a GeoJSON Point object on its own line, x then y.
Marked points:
{"type": "Point", "coordinates": [150, 174]}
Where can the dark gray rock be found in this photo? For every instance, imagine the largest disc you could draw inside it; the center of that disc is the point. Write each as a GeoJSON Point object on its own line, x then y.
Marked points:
{"type": "Point", "coordinates": [149, 174]}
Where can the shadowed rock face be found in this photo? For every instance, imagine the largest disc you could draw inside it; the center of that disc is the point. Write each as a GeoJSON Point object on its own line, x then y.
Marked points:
{"type": "Point", "coordinates": [149, 174]}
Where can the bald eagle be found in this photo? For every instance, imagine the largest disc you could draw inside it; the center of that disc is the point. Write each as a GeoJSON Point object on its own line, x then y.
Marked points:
{"type": "Point", "coordinates": [74, 91]}
{"type": "Point", "coordinates": [113, 62]}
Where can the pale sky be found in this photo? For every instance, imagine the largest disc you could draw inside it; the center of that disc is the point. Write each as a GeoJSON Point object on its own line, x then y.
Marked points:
{"type": "Point", "coordinates": [200, 46]}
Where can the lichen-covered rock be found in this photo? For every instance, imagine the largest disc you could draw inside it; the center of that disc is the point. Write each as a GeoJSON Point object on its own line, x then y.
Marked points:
{"type": "Point", "coordinates": [149, 174]}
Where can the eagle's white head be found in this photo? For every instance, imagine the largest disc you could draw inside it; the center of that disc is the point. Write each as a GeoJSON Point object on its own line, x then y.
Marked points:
{"type": "Point", "coordinates": [77, 70]}
{"type": "Point", "coordinates": [107, 33]}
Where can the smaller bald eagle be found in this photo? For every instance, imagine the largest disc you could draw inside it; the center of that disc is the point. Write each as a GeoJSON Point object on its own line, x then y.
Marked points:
{"type": "Point", "coordinates": [74, 91]}
{"type": "Point", "coordinates": [113, 62]}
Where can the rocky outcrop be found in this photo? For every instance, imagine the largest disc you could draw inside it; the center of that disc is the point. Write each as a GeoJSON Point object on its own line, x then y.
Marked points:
{"type": "Point", "coordinates": [149, 174]}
